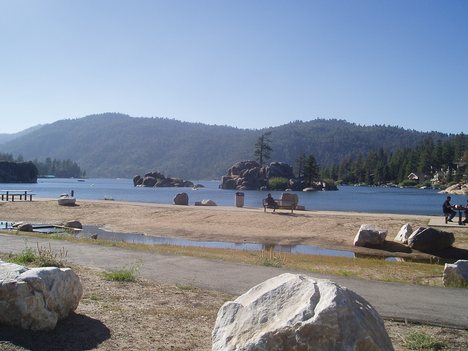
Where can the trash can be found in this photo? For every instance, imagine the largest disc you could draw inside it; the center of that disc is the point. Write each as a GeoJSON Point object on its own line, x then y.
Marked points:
{"type": "Point", "coordinates": [239, 199]}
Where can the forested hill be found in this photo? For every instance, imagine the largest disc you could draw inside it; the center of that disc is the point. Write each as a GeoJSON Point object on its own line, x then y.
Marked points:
{"type": "Point", "coordinates": [117, 145]}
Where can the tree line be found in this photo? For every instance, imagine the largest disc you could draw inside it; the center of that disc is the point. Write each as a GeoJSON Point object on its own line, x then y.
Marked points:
{"type": "Point", "coordinates": [446, 160]}
{"type": "Point", "coordinates": [52, 167]}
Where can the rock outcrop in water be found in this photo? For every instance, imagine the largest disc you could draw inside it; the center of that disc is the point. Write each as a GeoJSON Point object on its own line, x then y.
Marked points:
{"type": "Point", "coordinates": [156, 179]}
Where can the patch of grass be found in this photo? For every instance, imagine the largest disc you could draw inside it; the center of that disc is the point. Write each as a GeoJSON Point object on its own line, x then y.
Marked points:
{"type": "Point", "coordinates": [26, 257]}
{"type": "Point", "coordinates": [421, 341]}
{"type": "Point", "coordinates": [344, 273]}
{"type": "Point", "coordinates": [43, 257]}
{"type": "Point", "coordinates": [122, 274]}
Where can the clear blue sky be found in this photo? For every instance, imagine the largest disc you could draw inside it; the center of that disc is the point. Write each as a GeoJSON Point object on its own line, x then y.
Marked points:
{"type": "Point", "coordinates": [250, 64]}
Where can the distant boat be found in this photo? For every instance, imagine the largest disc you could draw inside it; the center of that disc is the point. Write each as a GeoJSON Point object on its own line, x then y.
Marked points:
{"type": "Point", "coordinates": [66, 200]}
{"type": "Point", "coordinates": [81, 180]}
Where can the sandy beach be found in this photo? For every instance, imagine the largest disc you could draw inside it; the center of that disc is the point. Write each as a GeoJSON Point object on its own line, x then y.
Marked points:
{"type": "Point", "coordinates": [334, 230]}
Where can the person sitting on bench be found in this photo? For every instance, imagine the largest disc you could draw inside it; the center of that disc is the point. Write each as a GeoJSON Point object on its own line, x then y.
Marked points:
{"type": "Point", "coordinates": [447, 209]}
{"type": "Point", "coordinates": [270, 202]}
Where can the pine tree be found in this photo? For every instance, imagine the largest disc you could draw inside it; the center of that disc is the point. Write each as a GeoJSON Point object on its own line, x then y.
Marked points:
{"type": "Point", "coordinates": [262, 148]}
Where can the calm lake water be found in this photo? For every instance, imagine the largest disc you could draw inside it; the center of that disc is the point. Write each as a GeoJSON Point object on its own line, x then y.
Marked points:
{"type": "Point", "coordinates": [347, 198]}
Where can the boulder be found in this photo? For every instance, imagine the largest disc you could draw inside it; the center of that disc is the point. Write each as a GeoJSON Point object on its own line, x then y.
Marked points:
{"type": "Point", "coordinates": [37, 298]}
{"type": "Point", "coordinates": [137, 180]}
{"type": "Point", "coordinates": [181, 199]}
{"type": "Point", "coordinates": [279, 169]}
{"type": "Point", "coordinates": [456, 189]}
{"type": "Point", "coordinates": [430, 239]}
{"type": "Point", "coordinates": [404, 234]}
{"type": "Point", "coordinates": [73, 224]}
{"type": "Point", "coordinates": [298, 312]}
{"type": "Point", "coordinates": [148, 181]}
{"type": "Point", "coordinates": [456, 274]}
{"type": "Point", "coordinates": [23, 227]}
{"type": "Point", "coordinates": [370, 236]}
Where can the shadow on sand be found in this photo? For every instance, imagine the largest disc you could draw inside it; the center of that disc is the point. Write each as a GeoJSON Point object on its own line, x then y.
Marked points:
{"type": "Point", "coordinates": [75, 333]}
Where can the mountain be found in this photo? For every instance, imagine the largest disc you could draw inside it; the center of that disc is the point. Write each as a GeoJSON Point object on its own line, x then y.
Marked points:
{"type": "Point", "coordinates": [117, 145]}
{"type": "Point", "coordinates": [6, 137]}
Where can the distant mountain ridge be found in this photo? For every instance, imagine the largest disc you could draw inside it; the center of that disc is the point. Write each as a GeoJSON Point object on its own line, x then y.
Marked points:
{"type": "Point", "coordinates": [117, 145]}
{"type": "Point", "coordinates": [6, 137]}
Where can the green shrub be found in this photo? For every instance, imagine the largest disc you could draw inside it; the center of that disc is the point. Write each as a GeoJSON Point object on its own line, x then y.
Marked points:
{"type": "Point", "coordinates": [278, 183]}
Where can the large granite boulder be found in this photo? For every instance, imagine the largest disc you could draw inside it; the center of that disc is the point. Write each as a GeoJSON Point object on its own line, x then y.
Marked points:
{"type": "Point", "coordinates": [149, 181]}
{"type": "Point", "coordinates": [370, 236]}
{"type": "Point", "coordinates": [37, 298]}
{"type": "Point", "coordinates": [181, 199]}
{"type": "Point", "coordinates": [404, 233]}
{"type": "Point", "coordinates": [430, 239]}
{"type": "Point", "coordinates": [456, 274]}
{"type": "Point", "coordinates": [297, 312]}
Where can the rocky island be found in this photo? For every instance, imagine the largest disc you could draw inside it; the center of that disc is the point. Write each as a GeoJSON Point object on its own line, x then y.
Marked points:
{"type": "Point", "coordinates": [157, 179]}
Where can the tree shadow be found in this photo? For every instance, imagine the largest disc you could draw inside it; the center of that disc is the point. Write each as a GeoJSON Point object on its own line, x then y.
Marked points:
{"type": "Point", "coordinates": [75, 333]}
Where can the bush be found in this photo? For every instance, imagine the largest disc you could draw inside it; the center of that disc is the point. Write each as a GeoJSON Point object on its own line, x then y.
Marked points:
{"type": "Point", "coordinates": [122, 274]}
{"type": "Point", "coordinates": [278, 183]}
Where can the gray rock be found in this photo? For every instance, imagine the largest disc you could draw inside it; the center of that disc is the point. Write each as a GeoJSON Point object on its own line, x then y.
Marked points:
{"type": "Point", "coordinates": [137, 180]}
{"type": "Point", "coordinates": [404, 233]}
{"type": "Point", "coordinates": [181, 199]}
{"type": "Point", "coordinates": [149, 181]}
{"type": "Point", "coordinates": [430, 239]}
{"type": "Point", "coordinates": [23, 227]}
{"type": "Point", "coordinates": [370, 236]}
{"type": "Point", "coordinates": [456, 274]}
{"type": "Point", "coordinates": [37, 298]}
{"type": "Point", "coordinates": [297, 312]}
{"type": "Point", "coordinates": [73, 224]}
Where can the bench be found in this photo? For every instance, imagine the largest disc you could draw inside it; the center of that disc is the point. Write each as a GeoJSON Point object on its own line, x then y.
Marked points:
{"type": "Point", "coordinates": [6, 196]}
{"type": "Point", "coordinates": [280, 204]}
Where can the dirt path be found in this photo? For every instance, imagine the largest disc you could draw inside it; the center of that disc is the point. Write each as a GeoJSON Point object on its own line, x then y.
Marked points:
{"type": "Point", "coordinates": [442, 306]}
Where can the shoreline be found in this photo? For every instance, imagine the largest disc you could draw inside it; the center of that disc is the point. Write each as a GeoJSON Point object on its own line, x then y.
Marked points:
{"type": "Point", "coordinates": [325, 229]}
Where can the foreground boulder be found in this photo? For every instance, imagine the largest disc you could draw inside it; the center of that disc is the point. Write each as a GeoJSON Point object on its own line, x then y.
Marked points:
{"type": "Point", "coordinates": [37, 298]}
{"type": "Point", "coordinates": [370, 236]}
{"type": "Point", "coordinates": [404, 233]}
{"type": "Point", "coordinates": [430, 239]}
{"type": "Point", "coordinates": [297, 312]}
{"type": "Point", "coordinates": [456, 274]}
{"type": "Point", "coordinates": [181, 199]}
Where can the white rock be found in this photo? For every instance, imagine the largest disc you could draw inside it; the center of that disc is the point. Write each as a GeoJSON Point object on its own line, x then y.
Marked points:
{"type": "Point", "coordinates": [369, 235]}
{"type": "Point", "coordinates": [404, 234]}
{"type": "Point", "coordinates": [297, 312]}
{"type": "Point", "coordinates": [37, 298]}
{"type": "Point", "coordinates": [208, 203]}
{"type": "Point", "coordinates": [456, 273]}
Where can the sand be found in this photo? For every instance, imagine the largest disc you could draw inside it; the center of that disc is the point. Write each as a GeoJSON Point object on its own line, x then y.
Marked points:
{"type": "Point", "coordinates": [335, 230]}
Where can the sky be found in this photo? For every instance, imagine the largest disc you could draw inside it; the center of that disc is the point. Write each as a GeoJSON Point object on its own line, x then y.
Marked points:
{"type": "Point", "coordinates": [243, 63]}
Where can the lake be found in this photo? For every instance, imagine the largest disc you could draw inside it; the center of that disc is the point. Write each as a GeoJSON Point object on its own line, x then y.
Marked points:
{"type": "Point", "coordinates": [347, 198]}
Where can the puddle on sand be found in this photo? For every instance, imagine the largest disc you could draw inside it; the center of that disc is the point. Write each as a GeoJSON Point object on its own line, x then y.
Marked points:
{"type": "Point", "coordinates": [139, 238]}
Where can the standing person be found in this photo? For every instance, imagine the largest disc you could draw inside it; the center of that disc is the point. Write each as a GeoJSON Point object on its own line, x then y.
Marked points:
{"type": "Point", "coordinates": [466, 212]}
{"type": "Point", "coordinates": [447, 209]}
